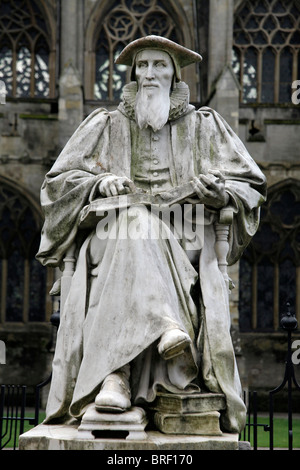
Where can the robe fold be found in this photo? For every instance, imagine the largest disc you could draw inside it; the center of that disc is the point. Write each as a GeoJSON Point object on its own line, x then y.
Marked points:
{"type": "Point", "coordinates": [101, 331]}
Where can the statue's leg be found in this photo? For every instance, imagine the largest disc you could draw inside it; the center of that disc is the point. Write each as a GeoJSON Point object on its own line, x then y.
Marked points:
{"type": "Point", "coordinates": [139, 289]}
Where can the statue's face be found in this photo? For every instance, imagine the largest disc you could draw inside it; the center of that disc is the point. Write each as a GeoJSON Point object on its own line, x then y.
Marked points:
{"type": "Point", "coordinates": [154, 69]}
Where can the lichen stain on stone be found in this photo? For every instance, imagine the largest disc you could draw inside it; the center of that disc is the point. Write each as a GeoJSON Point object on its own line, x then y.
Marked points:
{"type": "Point", "coordinates": [101, 166]}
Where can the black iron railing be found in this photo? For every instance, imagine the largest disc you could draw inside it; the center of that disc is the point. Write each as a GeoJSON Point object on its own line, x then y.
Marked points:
{"type": "Point", "coordinates": [12, 412]}
{"type": "Point", "coordinates": [13, 406]}
{"type": "Point", "coordinates": [288, 323]}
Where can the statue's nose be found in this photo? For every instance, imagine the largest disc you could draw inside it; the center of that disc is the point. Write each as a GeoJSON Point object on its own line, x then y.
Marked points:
{"type": "Point", "coordinates": [150, 72]}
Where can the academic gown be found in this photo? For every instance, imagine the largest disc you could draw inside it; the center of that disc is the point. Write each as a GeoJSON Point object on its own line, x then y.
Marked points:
{"type": "Point", "coordinates": [123, 327]}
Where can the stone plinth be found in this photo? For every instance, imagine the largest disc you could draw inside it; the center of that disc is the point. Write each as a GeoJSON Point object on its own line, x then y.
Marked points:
{"type": "Point", "coordinates": [131, 424]}
{"type": "Point", "coordinates": [183, 422]}
{"type": "Point", "coordinates": [66, 437]}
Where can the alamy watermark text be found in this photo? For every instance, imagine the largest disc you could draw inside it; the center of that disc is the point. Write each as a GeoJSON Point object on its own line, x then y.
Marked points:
{"type": "Point", "coordinates": [296, 92]}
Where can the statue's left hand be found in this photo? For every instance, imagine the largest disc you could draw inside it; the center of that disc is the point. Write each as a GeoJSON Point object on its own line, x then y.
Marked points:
{"type": "Point", "coordinates": [211, 189]}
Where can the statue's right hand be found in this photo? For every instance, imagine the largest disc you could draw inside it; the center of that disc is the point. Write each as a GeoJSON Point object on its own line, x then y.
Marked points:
{"type": "Point", "coordinates": [115, 186]}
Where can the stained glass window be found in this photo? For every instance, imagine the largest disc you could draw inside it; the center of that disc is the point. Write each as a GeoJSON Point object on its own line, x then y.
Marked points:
{"type": "Point", "coordinates": [245, 294]}
{"type": "Point", "coordinates": [23, 279]}
{"type": "Point", "coordinates": [250, 75]}
{"type": "Point", "coordinates": [286, 75]}
{"type": "Point", "coordinates": [266, 41]}
{"type": "Point", "coordinates": [268, 73]}
{"type": "Point", "coordinates": [6, 70]}
{"type": "Point", "coordinates": [270, 266]}
{"type": "Point", "coordinates": [37, 291]}
{"type": "Point", "coordinates": [23, 71]}
{"type": "Point", "coordinates": [24, 49]}
{"type": "Point", "coordinates": [15, 286]}
{"type": "Point", "coordinates": [127, 20]}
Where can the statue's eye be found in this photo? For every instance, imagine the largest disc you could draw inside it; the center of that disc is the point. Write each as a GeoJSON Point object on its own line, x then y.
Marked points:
{"type": "Point", "coordinates": [142, 65]}
{"type": "Point", "coordinates": [160, 65]}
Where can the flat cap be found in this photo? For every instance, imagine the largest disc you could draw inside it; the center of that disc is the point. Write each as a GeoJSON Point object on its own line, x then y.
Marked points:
{"type": "Point", "coordinates": [180, 54]}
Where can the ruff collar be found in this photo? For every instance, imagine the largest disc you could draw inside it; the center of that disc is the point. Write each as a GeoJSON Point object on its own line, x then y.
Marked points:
{"type": "Point", "coordinates": [179, 101]}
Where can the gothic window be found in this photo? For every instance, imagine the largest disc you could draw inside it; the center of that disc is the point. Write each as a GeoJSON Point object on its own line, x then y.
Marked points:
{"type": "Point", "coordinates": [23, 279]}
{"type": "Point", "coordinates": [270, 266]}
{"type": "Point", "coordinates": [26, 58]}
{"type": "Point", "coordinates": [266, 49]}
{"type": "Point", "coordinates": [126, 20]}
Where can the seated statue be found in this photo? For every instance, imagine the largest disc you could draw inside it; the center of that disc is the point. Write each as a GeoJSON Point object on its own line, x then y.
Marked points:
{"type": "Point", "coordinates": [147, 313]}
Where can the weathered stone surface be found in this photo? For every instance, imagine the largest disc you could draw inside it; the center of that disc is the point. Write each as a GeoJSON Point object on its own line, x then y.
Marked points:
{"type": "Point", "coordinates": [196, 413]}
{"type": "Point", "coordinates": [204, 424]}
{"type": "Point", "coordinates": [131, 422]}
{"type": "Point", "coordinates": [131, 283]}
{"type": "Point", "coordinates": [65, 437]}
{"type": "Point", "coordinates": [182, 403]}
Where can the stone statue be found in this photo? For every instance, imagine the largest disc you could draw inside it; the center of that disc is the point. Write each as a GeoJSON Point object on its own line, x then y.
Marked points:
{"type": "Point", "coordinates": [145, 314]}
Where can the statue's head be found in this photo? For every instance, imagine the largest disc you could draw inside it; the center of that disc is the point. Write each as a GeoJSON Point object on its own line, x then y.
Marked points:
{"type": "Point", "coordinates": [156, 67]}
{"type": "Point", "coordinates": [179, 55]}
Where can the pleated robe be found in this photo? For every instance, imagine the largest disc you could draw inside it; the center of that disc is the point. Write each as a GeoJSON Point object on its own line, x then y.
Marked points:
{"type": "Point", "coordinates": [141, 289]}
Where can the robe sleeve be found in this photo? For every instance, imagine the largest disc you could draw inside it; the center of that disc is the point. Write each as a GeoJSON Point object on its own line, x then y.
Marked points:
{"type": "Point", "coordinates": [220, 148]}
{"type": "Point", "coordinates": [68, 185]}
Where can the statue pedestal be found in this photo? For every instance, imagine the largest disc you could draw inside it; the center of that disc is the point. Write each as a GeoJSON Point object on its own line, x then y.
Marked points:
{"type": "Point", "coordinates": [130, 424]}
{"type": "Point", "coordinates": [66, 437]}
{"type": "Point", "coordinates": [184, 422]}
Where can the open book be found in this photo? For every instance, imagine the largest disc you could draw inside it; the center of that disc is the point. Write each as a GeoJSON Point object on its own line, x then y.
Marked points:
{"type": "Point", "coordinates": [91, 214]}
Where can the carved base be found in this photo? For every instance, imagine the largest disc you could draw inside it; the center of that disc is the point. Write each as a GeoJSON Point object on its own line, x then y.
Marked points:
{"type": "Point", "coordinates": [129, 425]}
{"type": "Point", "coordinates": [185, 422]}
{"type": "Point", "coordinates": [65, 437]}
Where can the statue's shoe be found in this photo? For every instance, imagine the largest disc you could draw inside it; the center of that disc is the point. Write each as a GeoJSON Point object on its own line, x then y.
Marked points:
{"type": "Point", "coordinates": [173, 343]}
{"type": "Point", "coordinates": [114, 396]}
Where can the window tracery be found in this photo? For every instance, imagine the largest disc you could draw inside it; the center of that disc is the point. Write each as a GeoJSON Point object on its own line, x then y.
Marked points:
{"type": "Point", "coordinates": [127, 20]}
{"type": "Point", "coordinates": [24, 49]}
{"type": "Point", "coordinates": [266, 45]}
{"type": "Point", "coordinates": [270, 266]}
{"type": "Point", "coordinates": [23, 279]}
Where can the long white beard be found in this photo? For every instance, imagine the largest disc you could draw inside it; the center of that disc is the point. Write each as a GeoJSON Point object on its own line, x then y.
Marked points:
{"type": "Point", "coordinates": [152, 109]}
